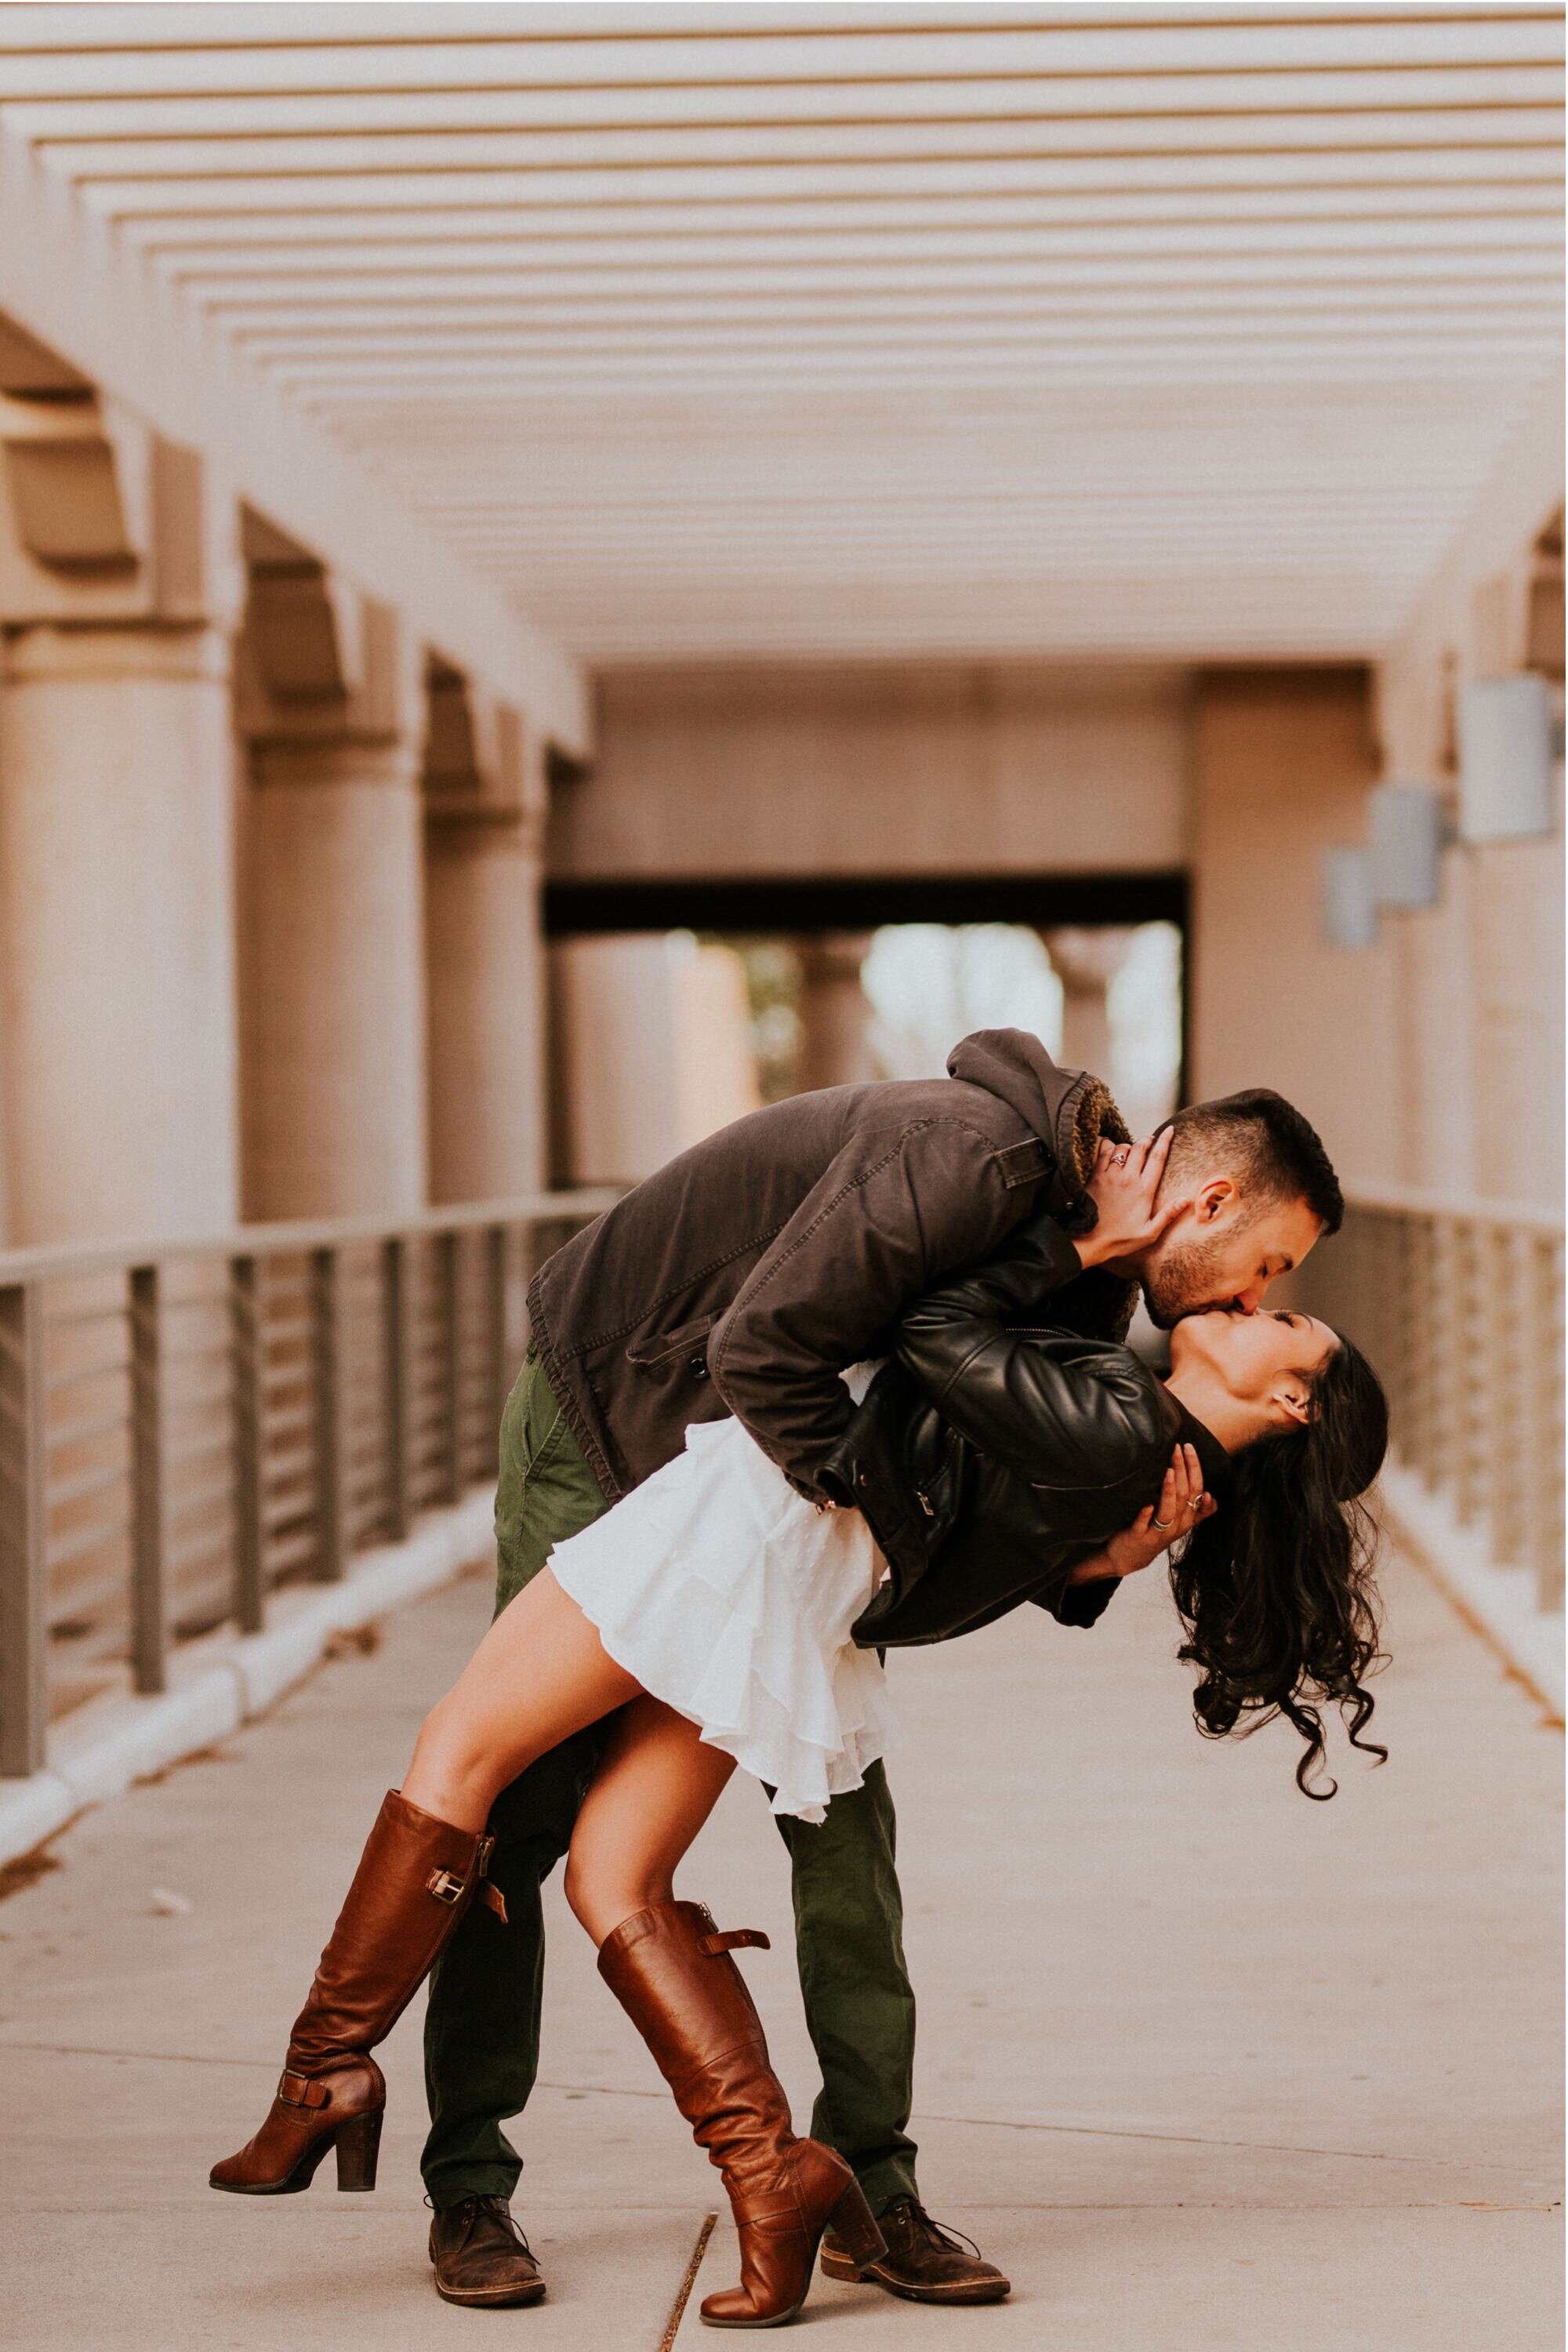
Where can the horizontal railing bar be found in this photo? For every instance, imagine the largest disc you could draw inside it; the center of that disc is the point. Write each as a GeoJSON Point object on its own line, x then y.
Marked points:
{"type": "Point", "coordinates": [288, 1475]}
{"type": "Point", "coordinates": [89, 1649]}
{"type": "Point", "coordinates": [72, 1317]}
{"type": "Point", "coordinates": [216, 1490]}
{"type": "Point", "coordinates": [54, 1383]}
{"type": "Point", "coordinates": [211, 1544]}
{"type": "Point", "coordinates": [83, 1540]}
{"type": "Point", "coordinates": [86, 1482]}
{"type": "Point", "coordinates": [287, 1419]}
{"type": "Point", "coordinates": [287, 1551]}
{"type": "Point", "coordinates": [1547, 1222]}
{"type": "Point", "coordinates": [92, 1425]}
{"type": "Point", "coordinates": [57, 1263]}
{"type": "Point", "coordinates": [192, 1449]}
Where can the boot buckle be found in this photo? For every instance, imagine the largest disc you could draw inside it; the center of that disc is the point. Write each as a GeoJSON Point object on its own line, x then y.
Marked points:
{"type": "Point", "coordinates": [302, 2091]}
{"type": "Point", "coordinates": [446, 1886]}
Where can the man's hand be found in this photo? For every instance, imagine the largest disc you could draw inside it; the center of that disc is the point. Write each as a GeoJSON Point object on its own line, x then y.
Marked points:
{"type": "Point", "coordinates": [1182, 1507]}
{"type": "Point", "coordinates": [1123, 1188]}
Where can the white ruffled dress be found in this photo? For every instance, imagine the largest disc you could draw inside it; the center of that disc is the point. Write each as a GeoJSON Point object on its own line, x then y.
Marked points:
{"type": "Point", "coordinates": [730, 1597]}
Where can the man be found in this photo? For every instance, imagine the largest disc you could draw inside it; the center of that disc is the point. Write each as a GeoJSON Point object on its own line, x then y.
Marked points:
{"type": "Point", "coordinates": [742, 1278]}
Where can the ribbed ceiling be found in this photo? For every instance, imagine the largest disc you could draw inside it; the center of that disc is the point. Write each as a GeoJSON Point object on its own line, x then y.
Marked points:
{"type": "Point", "coordinates": [1181, 331]}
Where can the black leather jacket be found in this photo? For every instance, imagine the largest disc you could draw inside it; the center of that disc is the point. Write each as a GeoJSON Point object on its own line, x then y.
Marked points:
{"type": "Point", "coordinates": [995, 1452]}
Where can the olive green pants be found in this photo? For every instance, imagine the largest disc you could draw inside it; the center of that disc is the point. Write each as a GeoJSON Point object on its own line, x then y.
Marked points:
{"type": "Point", "coordinates": [482, 2027]}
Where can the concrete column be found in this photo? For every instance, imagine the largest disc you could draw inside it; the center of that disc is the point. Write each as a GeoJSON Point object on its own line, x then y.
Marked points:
{"type": "Point", "coordinates": [835, 1012]}
{"type": "Point", "coordinates": [117, 932]}
{"type": "Point", "coordinates": [119, 586]}
{"type": "Point", "coordinates": [1086, 962]}
{"type": "Point", "coordinates": [485, 794]}
{"type": "Point", "coordinates": [333, 974]}
{"type": "Point", "coordinates": [334, 1101]}
{"type": "Point", "coordinates": [1283, 763]}
{"type": "Point", "coordinates": [484, 964]}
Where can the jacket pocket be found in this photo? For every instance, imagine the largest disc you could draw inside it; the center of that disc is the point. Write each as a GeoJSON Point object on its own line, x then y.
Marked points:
{"type": "Point", "coordinates": [665, 1353]}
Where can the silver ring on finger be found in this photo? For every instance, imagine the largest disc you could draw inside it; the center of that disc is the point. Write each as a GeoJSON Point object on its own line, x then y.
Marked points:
{"type": "Point", "coordinates": [1160, 1523]}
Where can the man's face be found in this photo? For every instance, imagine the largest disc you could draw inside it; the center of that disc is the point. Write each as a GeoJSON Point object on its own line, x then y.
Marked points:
{"type": "Point", "coordinates": [1218, 1253]}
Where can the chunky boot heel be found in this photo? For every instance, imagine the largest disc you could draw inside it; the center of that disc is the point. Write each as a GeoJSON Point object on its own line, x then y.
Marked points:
{"type": "Point", "coordinates": [857, 2230]}
{"type": "Point", "coordinates": [358, 2145]}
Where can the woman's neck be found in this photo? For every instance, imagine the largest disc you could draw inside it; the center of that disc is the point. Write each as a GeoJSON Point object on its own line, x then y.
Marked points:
{"type": "Point", "coordinates": [1210, 1402]}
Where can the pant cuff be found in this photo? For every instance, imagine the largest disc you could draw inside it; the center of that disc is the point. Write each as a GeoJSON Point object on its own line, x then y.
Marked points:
{"type": "Point", "coordinates": [886, 2180]}
{"type": "Point", "coordinates": [452, 2183]}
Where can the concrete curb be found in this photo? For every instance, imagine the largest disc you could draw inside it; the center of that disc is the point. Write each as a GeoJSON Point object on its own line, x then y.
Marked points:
{"type": "Point", "coordinates": [103, 1748]}
{"type": "Point", "coordinates": [1499, 1602]}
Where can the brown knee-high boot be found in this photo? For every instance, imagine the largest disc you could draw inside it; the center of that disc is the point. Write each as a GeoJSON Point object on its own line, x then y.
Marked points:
{"type": "Point", "coordinates": [670, 1970]}
{"type": "Point", "coordinates": [416, 1879]}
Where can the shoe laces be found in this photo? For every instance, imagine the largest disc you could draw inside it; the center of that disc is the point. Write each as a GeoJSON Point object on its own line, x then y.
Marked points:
{"type": "Point", "coordinates": [470, 2209]}
{"type": "Point", "coordinates": [954, 2241]}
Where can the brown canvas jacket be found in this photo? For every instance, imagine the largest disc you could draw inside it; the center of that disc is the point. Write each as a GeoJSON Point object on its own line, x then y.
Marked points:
{"type": "Point", "coordinates": [745, 1275]}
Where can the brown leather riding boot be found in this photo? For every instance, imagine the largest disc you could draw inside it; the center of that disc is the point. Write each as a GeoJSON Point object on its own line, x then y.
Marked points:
{"type": "Point", "coordinates": [670, 1970]}
{"type": "Point", "coordinates": [416, 1879]}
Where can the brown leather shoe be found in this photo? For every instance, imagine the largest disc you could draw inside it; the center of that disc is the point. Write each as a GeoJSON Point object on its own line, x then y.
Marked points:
{"type": "Point", "coordinates": [670, 1970]}
{"type": "Point", "coordinates": [481, 2257]}
{"type": "Point", "coordinates": [924, 2262]}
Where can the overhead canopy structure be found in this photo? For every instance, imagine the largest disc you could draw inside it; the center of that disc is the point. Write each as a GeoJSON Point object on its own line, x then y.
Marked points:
{"type": "Point", "coordinates": [694, 331]}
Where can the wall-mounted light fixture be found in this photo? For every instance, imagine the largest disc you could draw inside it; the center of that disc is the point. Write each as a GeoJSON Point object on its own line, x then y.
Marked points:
{"type": "Point", "coordinates": [1407, 844]}
{"type": "Point", "coordinates": [1349, 904]}
{"type": "Point", "coordinates": [1506, 749]}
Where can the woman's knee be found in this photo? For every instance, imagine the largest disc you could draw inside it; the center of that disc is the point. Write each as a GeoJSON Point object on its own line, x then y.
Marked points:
{"type": "Point", "coordinates": [601, 1892]}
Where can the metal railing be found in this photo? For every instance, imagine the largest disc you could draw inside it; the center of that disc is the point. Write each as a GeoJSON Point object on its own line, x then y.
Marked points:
{"type": "Point", "coordinates": [185, 1426]}
{"type": "Point", "coordinates": [1458, 1304]}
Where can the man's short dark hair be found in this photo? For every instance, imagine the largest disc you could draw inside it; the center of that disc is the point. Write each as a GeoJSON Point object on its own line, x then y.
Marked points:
{"type": "Point", "coordinates": [1265, 1144]}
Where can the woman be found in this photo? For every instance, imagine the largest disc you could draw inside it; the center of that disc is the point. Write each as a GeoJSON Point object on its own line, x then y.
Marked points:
{"type": "Point", "coordinates": [721, 1616]}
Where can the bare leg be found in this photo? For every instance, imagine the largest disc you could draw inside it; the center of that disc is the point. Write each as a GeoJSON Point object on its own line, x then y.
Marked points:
{"type": "Point", "coordinates": [655, 1786]}
{"type": "Point", "coordinates": [541, 1673]}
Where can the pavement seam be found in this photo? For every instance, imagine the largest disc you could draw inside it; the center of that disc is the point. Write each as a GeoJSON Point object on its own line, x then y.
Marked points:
{"type": "Point", "coordinates": [683, 2292]}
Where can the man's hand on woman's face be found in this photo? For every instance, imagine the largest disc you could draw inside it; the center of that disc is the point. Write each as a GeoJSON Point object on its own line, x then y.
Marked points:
{"type": "Point", "coordinates": [1124, 1187]}
{"type": "Point", "coordinates": [1182, 1507]}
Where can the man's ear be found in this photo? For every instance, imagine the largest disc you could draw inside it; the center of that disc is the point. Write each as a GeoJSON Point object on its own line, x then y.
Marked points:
{"type": "Point", "coordinates": [1213, 1198]}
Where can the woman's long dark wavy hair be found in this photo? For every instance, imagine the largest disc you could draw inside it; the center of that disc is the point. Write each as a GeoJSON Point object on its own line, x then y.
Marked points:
{"type": "Point", "coordinates": [1275, 1591]}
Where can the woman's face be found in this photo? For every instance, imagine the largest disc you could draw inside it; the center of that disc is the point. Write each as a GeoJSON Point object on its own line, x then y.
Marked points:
{"type": "Point", "coordinates": [1266, 1360]}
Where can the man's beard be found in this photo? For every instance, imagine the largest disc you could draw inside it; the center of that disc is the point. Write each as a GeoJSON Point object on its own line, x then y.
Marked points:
{"type": "Point", "coordinates": [1185, 1281]}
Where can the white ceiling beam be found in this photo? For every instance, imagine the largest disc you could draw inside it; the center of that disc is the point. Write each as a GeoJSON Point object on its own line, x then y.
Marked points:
{"type": "Point", "coordinates": [61, 278]}
{"type": "Point", "coordinates": [51, 64]}
{"type": "Point", "coordinates": [427, 197]}
{"type": "Point", "coordinates": [124, 165]}
{"type": "Point", "coordinates": [954, 97]}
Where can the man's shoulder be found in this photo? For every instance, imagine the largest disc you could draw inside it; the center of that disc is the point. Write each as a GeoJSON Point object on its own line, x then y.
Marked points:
{"type": "Point", "coordinates": [900, 1104]}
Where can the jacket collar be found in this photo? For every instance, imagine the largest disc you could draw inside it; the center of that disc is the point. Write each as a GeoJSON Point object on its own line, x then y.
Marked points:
{"type": "Point", "coordinates": [1219, 1477]}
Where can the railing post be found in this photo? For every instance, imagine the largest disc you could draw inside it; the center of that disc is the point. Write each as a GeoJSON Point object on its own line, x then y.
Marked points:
{"type": "Point", "coordinates": [149, 1612]}
{"type": "Point", "coordinates": [498, 1380]}
{"type": "Point", "coordinates": [1543, 1398]}
{"type": "Point", "coordinates": [1507, 1451]}
{"type": "Point", "coordinates": [328, 1391]}
{"type": "Point", "coordinates": [23, 1526]}
{"type": "Point", "coordinates": [448, 1302]}
{"type": "Point", "coordinates": [244, 1376]}
{"type": "Point", "coordinates": [396, 1384]}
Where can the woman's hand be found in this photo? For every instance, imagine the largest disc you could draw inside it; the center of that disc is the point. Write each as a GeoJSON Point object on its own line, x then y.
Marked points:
{"type": "Point", "coordinates": [1123, 1187]}
{"type": "Point", "coordinates": [1183, 1505]}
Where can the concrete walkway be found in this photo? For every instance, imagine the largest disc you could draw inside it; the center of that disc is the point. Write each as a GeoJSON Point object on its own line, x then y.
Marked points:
{"type": "Point", "coordinates": [1201, 2064]}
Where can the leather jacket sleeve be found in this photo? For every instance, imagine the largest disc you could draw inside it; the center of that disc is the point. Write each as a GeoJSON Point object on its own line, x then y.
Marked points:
{"type": "Point", "coordinates": [880, 1225]}
{"type": "Point", "coordinates": [1065, 1410]}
